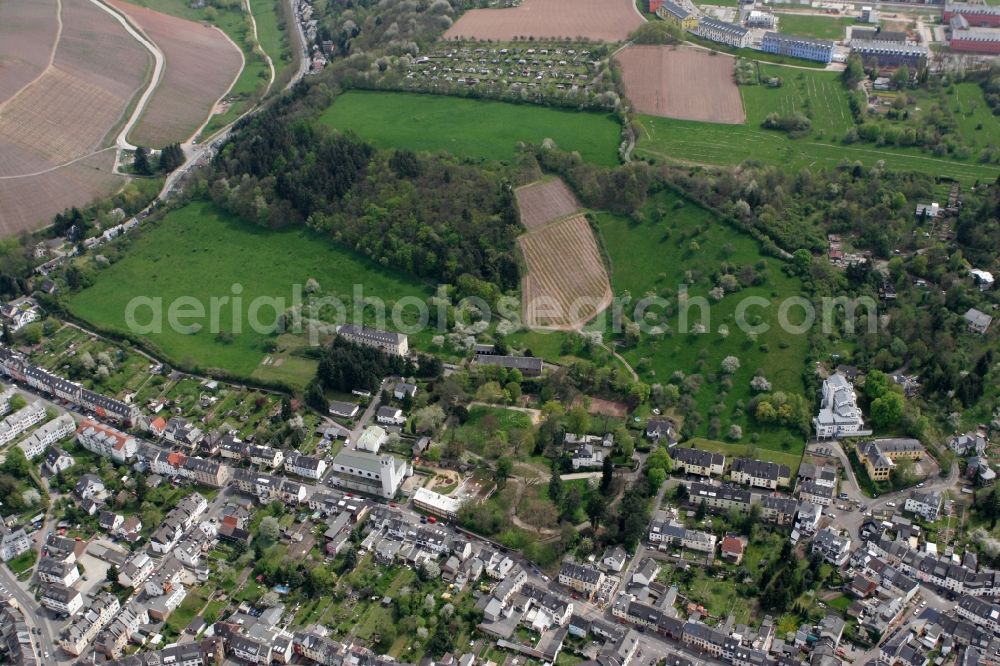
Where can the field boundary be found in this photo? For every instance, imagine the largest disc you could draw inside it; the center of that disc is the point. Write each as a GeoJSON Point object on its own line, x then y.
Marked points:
{"type": "Point", "coordinates": [52, 57]}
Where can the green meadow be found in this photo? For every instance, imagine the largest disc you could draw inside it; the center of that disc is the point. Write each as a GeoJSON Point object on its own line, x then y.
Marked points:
{"type": "Point", "coordinates": [820, 96]}
{"type": "Point", "coordinates": [473, 128]}
{"type": "Point", "coordinates": [819, 27]}
{"type": "Point", "coordinates": [198, 253]}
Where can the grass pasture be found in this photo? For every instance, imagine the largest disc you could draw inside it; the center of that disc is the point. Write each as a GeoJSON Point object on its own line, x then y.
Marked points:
{"type": "Point", "coordinates": [477, 129]}
{"type": "Point", "coordinates": [199, 253]}
{"type": "Point", "coordinates": [820, 27]}
{"type": "Point", "coordinates": [683, 244]}
{"type": "Point", "coordinates": [818, 95]}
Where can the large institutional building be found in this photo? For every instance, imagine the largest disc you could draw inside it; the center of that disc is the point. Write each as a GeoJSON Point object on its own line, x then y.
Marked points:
{"type": "Point", "coordinates": [839, 414]}
{"type": "Point", "coordinates": [369, 473]}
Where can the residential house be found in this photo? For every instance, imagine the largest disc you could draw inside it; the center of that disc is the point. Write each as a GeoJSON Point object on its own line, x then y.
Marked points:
{"type": "Point", "coordinates": [266, 456]}
{"type": "Point", "coordinates": [13, 542]}
{"type": "Point", "coordinates": [391, 416]}
{"type": "Point", "coordinates": [968, 444]}
{"type": "Point", "coordinates": [372, 438]}
{"type": "Point", "coordinates": [75, 638]}
{"type": "Point", "coordinates": [20, 421]}
{"type": "Point", "coordinates": [816, 492]}
{"type": "Point", "coordinates": [20, 312]}
{"type": "Point", "coordinates": [51, 570]}
{"type": "Point", "coordinates": [697, 461]}
{"type": "Point", "coordinates": [309, 467]}
{"type": "Point", "coordinates": [61, 598]}
{"type": "Point", "coordinates": [979, 322]}
{"type": "Point", "coordinates": [587, 455]}
{"type": "Point", "coordinates": [725, 33]}
{"type": "Point", "coordinates": [808, 48]}
{"type": "Point", "coordinates": [88, 486]}
{"type": "Point", "coordinates": [658, 430]}
{"type": "Point", "coordinates": [579, 577]}
{"type": "Point", "coordinates": [676, 15]}
{"type": "Point", "coordinates": [346, 410]}
{"type": "Point", "coordinates": [778, 510]}
{"type": "Point", "coordinates": [106, 441]}
{"type": "Point", "coordinates": [46, 435]}
{"type": "Point", "coordinates": [135, 570]}
{"type": "Point", "coordinates": [834, 548]}
{"type": "Point", "coordinates": [112, 639]}
{"type": "Point", "coordinates": [57, 460]}
{"type": "Point", "coordinates": [760, 473]}
{"type": "Point", "coordinates": [647, 572]}
{"type": "Point", "coordinates": [719, 498]}
{"type": "Point", "coordinates": [926, 504]}
{"type": "Point", "coordinates": [614, 558]}
{"type": "Point", "coordinates": [732, 549]}
{"type": "Point", "coordinates": [404, 390]}
{"type": "Point", "coordinates": [207, 472]}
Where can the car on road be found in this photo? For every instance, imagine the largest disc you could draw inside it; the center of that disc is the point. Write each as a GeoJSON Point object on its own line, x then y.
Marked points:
{"type": "Point", "coordinates": [891, 505]}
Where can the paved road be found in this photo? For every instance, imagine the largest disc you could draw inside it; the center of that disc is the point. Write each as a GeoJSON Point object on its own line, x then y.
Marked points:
{"type": "Point", "coordinates": [34, 615]}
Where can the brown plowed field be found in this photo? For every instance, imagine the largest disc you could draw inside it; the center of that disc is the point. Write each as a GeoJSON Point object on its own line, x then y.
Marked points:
{"type": "Point", "coordinates": [545, 201]}
{"type": "Point", "coordinates": [96, 48]}
{"type": "Point", "coordinates": [60, 117]}
{"type": "Point", "coordinates": [600, 20]}
{"type": "Point", "coordinates": [27, 32]}
{"type": "Point", "coordinates": [201, 64]}
{"type": "Point", "coordinates": [30, 203]}
{"type": "Point", "coordinates": [678, 82]}
{"type": "Point", "coordinates": [566, 284]}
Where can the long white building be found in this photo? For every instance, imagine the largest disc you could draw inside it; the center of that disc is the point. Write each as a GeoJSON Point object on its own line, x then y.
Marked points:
{"type": "Point", "coordinates": [380, 475]}
{"type": "Point", "coordinates": [839, 414]}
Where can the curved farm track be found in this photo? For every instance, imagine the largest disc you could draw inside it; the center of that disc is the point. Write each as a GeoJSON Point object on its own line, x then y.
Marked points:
{"type": "Point", "coordinates": [201, 65]}
{"type": "Point", "coordinates": [28, 35]}
{"type": "Point", "coordinates": [55, 128]}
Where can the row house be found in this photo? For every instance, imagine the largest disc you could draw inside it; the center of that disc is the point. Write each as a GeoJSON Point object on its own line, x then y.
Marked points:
{"type": "Point", "coordinates": [549, 609]}
{"type": "Point", "coordinates": [510, 585]}
{"type": "Point", "coordinates": [136, 569]}
{"type": "Point", "coordinates": [720, 498]}
{"type": "Point", "coordinates": [46, 435]}
{"type": "Point", "coordinates": [697, 461]}
{"type": "Point", "coordinates": [207, 652]}
{"type": "Point", "coordinates": [265, 456]}
{"type": "Point", "coordinates": [177, 430]}
{"type": "Point", "coordinates": [60, 598]}
{"type": "Point", "coordinates": [980, 612]}
{"type": "Point", "coordinates": [106, 441]}
{"type": "Point", "coordinates": [207, 472]}
{"type": "Point", "coordinates": [579, 577]}
{"type": "Point", "coordinates": [116, 635]}
{"type": "Point", "coordinates": [760, 473]}
{"type": "Point", "coordinates": [177, 522]}
{"type": "Point", "coordinates": [5, 397]}
{"type": "Point", "coordinates": [834, 548]}
{"type": "Point", "coordinates": [777, 509]}
{"type": "Point", "coordinates": [309, 467]}
{"type": "Point", "coordinates": [676, 534]}
{"type": "Point", "coordinates": [819, 494]}
{"type": "Point", "coordinates": [16, 367]}
{"type": "Point", "coordinates": [268, 488]}
{"type": "Point", "coordinates": [21, 420]}
{"type": "Point", "coordinates": [75, 638]}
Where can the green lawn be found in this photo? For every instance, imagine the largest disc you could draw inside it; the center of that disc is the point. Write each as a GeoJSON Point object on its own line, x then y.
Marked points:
{"type": "Point", "coordinates": [681, 243]}
{"type": "Point", "coordinates": [22, 562]}
{"type": "Point", "coordinates": [733, 450]}
{"type": "Point", "coordinates": [819, 96]}
{"type": "Point", "coordinates": [484, 421]}
{"type": "Point", "coordinates": [201, 253]}
{"type": "Point", "coordinates": [272, 33]}
{"type": "Point", "coordinates": [478, 129]}
{"type": "Point", "coordinates": [820, 27]}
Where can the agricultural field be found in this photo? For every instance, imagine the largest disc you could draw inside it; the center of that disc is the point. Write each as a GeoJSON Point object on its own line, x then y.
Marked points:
{"type": "Point", "coordinates": [598, 20]}
{"type": "Point", "coordinates": [478, 129]}
{"type": "Point", "coordinates": [201, 66]}
{"type": "Point", "coordinates": [816, 94]}
{"type": "Point", "coordinates": [200, 253]}
{"type": "Point", "coordinates": [65, 114]}
{"type": "Point", "coordinates": [660, 81]}
{"type": "Point", "coordinates": [30, 202]}
{"type": "Point", "coordinates": [683, 244]}
{"type": "Point", "coordinates": [566, 283]}
{"type": "Point", "coordinates": [544, 201]}
{"type": "Point", "coordinates": [819, 27]}
{"type": "Point", "coordinates": [27, 35]}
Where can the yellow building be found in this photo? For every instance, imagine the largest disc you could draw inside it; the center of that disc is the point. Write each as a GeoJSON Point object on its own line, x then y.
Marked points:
{"type": "Point", "coordinates": [677, 15]}
{"type": "Point", "coordinates": [879, 455]}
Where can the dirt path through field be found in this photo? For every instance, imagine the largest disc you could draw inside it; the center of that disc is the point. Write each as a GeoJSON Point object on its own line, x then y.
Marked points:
{"type": "Point", "coordinates": [52, 57]}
